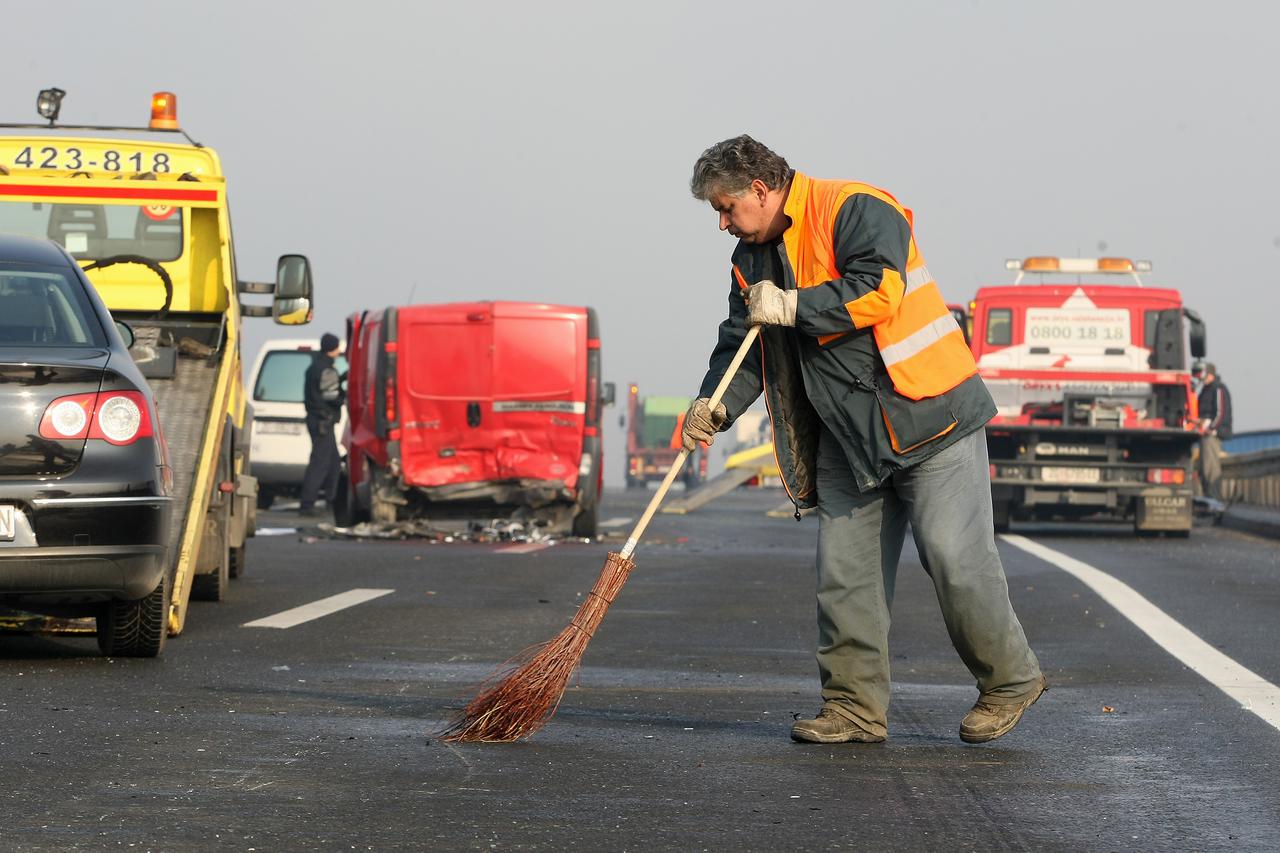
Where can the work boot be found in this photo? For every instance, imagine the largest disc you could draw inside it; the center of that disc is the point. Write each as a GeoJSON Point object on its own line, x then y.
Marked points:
{"type": "Point", "coordinates": [309, 512]}
{"type": "Point", "coordinates": [989, 720]}
{"type": "Point", "coordinates": [832, 727]}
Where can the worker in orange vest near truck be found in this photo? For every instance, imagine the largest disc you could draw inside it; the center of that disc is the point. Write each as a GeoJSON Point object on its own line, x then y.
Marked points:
{"type": "Point", "coordinates": [878, 415]}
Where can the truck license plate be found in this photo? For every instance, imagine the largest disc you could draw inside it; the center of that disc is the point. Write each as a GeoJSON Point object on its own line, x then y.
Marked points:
{"type": "Point", "coordinates": [1070, 475]}
{"type": "Point", "coordinates": [280, 427]}
{"type": "Point", "coordinates": [6, 523]}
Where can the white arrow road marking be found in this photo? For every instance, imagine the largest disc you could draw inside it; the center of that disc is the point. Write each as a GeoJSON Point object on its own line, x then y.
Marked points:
{"type": "Point", "coordinates": [523, 548]}
{"type": "Point", "coordinates": [316, 609]}
{"type": "Point", "coordinates": [1252, 691]}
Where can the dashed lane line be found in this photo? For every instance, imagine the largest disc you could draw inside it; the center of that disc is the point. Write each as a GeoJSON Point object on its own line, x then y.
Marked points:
{"type": "Point", "coordinates": [1252, 691]}
{"type": "Point", "coordinates": [317, 609]}
{"type": "Point", "coordinates": [620, 521]}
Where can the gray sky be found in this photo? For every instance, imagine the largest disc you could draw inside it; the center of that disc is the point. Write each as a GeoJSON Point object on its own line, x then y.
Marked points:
{"type": "Point", "coordinates": [541, 151]}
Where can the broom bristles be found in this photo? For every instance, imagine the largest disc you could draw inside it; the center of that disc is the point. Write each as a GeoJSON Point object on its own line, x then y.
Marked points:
{"type": "Point", "coordinates": [527, 697]}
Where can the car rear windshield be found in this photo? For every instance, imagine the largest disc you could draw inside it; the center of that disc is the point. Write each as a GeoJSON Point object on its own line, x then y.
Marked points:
{"type": "Point", "coordinates": [47, 308]}
{"type": "Point", "coordinates": [280, 379]}
{"type": "Point", "coordinates": [97, 231]}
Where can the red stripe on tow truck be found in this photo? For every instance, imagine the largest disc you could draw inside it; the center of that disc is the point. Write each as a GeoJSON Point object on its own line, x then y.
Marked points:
{"type": "Point", "coordinates": [1160, 378]}
{"type": "Point", "coordinates": [138, 193]}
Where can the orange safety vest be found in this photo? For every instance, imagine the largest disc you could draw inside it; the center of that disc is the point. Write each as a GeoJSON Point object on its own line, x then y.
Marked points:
{"type": "Point", "coordinates": [919, 340]}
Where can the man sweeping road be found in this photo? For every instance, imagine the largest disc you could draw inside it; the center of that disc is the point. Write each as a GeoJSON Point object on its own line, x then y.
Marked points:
{"type": "Point", "coordinates": [878, 416]}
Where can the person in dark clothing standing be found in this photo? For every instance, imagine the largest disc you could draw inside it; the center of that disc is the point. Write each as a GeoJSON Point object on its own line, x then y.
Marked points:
{"type": "Point", "coordinates": [323, 397]}
{"type": "Point", "coordinates": [1215, 425]}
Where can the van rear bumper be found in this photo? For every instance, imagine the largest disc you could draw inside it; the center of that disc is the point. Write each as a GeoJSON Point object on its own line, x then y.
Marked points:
{"type": "Point", "coordinates": [507, 493]}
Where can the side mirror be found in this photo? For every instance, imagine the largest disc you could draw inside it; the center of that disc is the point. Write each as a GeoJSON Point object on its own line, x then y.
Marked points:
{"type": "Point", "coordinates": [610, 394]}
{"type": "Point", "coordinates": [1196, 334]}
{"type": "Point", "coordinates": [126, 333]}
{"type": "Point", "coordinates": [291, 302]}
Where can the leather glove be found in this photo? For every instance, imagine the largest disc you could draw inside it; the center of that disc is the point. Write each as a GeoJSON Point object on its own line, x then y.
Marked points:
{"type": "Point", "coordinates": [768, 305]}
{"type": "Point", "coordinates": [701, 424]}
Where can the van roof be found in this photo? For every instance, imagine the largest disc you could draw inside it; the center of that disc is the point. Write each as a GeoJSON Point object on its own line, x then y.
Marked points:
{"type": "Point", "coordinates": [494, 309]}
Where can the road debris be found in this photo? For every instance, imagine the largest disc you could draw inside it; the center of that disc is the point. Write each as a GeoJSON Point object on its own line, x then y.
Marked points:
{"type": "Point", "coordinates": [475, 531]}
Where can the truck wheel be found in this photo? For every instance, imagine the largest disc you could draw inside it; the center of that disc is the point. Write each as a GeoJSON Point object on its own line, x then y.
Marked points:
{"type": "Point", "coordinates": [136, 629]}
{"type": "Point", "coordinates": [213, 586]}
{"type": "Point", "coordinates": [1000, 515]}
{"type": "Point", "coordinates": [235, 562]}
{"type": "Point", "coordinates": [266, 495]}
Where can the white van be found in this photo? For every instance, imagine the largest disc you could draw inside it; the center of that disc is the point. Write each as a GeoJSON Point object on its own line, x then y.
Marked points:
{"type": "Point", "coordinates": [280, 446]}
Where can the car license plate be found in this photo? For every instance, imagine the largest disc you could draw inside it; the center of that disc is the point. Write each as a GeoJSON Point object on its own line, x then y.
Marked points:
{"type": "Point", "coordinates": [280, 427]}
{"type": "Point", "coordinates": [7, 527]}
{"type": "Point", "coordinates": [1070, 475]}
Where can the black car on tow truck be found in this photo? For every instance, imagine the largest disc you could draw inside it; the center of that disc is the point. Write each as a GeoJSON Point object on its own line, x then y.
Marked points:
{"type": "Point", "coordinates": [85, 481]}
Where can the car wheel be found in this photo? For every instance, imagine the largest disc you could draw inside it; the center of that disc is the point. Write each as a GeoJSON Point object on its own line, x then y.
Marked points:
{"type": "Point", "coordinates": [136, 629]}
{"type": "Point", "coordinates": [266, 496]}
{"type": "Point", "coordinates": [343, 504]}
{"type": "Point", "coordinates": [213, 585]}
{"type": "Point", "coordinates": [235, 562]}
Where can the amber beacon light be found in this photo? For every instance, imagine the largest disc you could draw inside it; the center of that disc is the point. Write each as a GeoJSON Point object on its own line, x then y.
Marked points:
{"type": "Point", "coordinates": [164, 111]}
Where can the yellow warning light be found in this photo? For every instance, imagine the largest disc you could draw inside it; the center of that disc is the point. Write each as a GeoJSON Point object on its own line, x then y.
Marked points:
{"type": "Point", "coordinates": [1115, 265]}
{"type": "Point", "coordinates": [164, 111]}
{"type": "Point", "coordinates": [1041, 264]}
{"type": "Point", "coordinates": [635, 389]}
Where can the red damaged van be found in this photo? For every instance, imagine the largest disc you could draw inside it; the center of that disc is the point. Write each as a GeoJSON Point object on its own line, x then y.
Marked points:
{"type": "Point", "coordinates": [474, 410]}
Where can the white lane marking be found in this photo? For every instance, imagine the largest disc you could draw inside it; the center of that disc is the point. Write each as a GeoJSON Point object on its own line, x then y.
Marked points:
{"type": "Point", "coordinates": [523, 548]}
{"type": "Point", "coordinates": [316, 609]}
{"type": "Point", "coordinates": [620, 521]}
{"type": "Point", "coordinates": [274, 531]}
{"type": "Point", "coordinates": [1252, 691]}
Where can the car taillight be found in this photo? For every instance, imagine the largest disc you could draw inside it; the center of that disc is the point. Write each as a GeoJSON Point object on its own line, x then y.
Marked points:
{"type": "Point", "coordinates": [1166, 476]}
{"type": "Point", "coordinates": [116, 417]}
{"type": "Point", "coordinates": [391, 399]}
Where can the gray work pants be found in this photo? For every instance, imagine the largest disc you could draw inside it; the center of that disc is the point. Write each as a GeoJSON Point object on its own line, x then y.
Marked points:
{"type": "Point", "coordinates": [1211, 466]}
{"type": "Point", "coordinates": [947, 500]}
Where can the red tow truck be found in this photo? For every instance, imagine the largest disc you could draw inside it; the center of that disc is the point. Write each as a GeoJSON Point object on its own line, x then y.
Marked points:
{"type": "Point", "coordinates": [1096, 411]}
{"type": "Point", "coordinates": [474, 410]}
{"type": "Point", "coordinates": [653, 426]}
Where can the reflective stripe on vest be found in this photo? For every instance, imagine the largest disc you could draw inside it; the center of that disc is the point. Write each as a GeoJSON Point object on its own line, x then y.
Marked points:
{"type": "Point", "coordinates": [917, 278]}
{"type": "Point", "coordinates": [917, 341]}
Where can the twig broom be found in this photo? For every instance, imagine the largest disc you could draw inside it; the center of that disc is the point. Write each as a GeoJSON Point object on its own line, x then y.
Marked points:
{"type": "Point", "coordinates": [527, 697]}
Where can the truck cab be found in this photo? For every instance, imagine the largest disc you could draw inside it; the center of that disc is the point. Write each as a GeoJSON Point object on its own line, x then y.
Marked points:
{"type": "Point", "coordinates": [654, 425]}
{"type": "Point", "coordinates": [143, 212]}
{"type": "Point", "coordinates": [475, 410]}
{"type": "Point", "coordinates": [1096, 410]}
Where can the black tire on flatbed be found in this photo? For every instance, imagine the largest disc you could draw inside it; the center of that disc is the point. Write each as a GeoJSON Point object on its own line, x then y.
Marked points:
{"type": "Point", "coordinates": [136, 629]}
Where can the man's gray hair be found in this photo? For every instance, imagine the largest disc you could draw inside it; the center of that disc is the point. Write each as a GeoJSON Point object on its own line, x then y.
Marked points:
{"type": "Point", "coordinates": [729, 167]}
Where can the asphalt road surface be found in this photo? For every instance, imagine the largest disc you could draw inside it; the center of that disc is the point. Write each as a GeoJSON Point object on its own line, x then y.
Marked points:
{"type": "Point", "coordinates": [1160, 730]}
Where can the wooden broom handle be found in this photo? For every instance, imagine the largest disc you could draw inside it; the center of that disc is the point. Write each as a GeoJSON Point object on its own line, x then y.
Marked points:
{"type": "Point", "coordinates": [629, 548]}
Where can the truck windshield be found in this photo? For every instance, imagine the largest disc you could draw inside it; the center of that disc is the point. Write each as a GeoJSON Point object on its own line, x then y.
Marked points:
{"type": "Point", "coordinates": [40, 307]}
{"type": "Point", "coordinates": [280, 379]}
{"type": "Point", "coordinates": [96, 231]}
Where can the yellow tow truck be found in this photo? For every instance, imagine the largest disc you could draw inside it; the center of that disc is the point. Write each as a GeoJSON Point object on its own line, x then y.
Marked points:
{"type": "Point", "coordinates": [144, 211]}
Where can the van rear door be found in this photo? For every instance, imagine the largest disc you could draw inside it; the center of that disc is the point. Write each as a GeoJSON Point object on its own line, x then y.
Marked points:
{"type": "Point", "coordinates": [445, 364]}
{"type": "Point", "coordinates": [539, 391]}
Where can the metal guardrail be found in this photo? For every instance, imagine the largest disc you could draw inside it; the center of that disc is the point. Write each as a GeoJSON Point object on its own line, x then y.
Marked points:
{"type": "Point", "coordinates": [1252, 478]}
